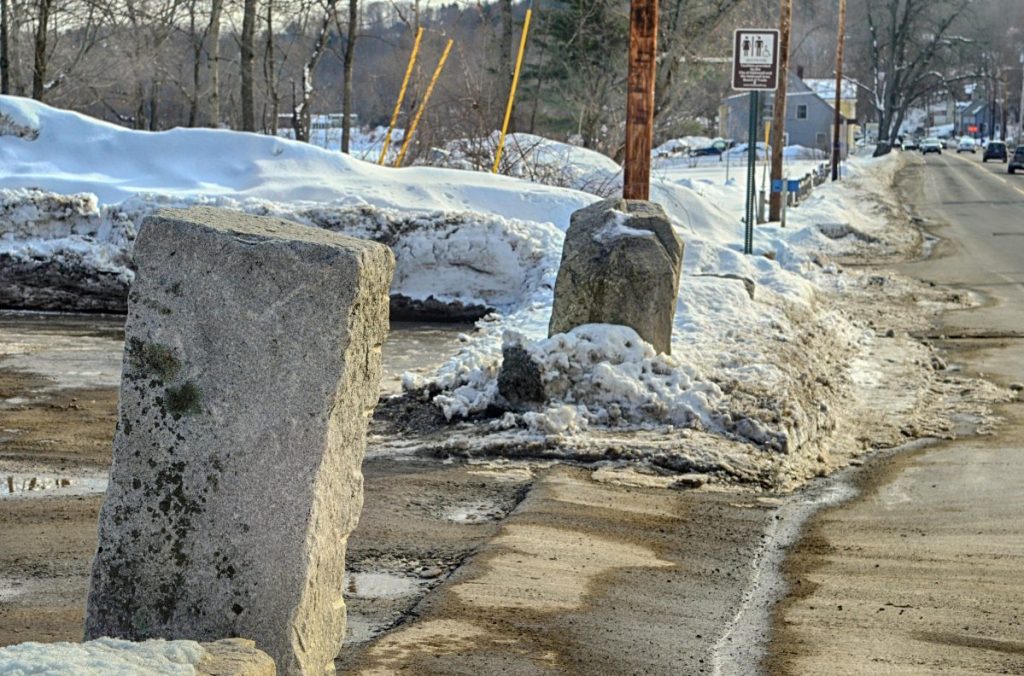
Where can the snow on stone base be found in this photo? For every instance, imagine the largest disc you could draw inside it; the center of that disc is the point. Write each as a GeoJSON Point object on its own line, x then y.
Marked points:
{"type": "Point", "coordinates": [156, 657]}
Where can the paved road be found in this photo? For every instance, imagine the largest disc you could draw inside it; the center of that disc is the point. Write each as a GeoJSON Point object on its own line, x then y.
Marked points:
{"type": "Point", "coordinates": [923, 572]}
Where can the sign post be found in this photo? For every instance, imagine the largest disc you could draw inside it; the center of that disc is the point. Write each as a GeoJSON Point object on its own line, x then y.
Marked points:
{"type": "Point", "coordinates": [755, 68]}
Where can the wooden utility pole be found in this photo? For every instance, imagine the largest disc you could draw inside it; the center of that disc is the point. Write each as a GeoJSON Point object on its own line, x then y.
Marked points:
{"type": "Point", "coordinates": [643, 44]}
{"type": "Point", "coordinates": [779, 113]}
{"type": "Point", "coordinates": [1020, 108]}
{"type": "Point", "coordinates": [836, 145]}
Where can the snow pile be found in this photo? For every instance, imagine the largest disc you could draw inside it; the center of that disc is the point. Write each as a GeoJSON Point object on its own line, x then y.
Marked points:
{"type": "Point", "coordinates": [75, 194]}
{"type": "Point", "coordinates": [611, 375]}
{"type": "Point", "coordinates": [739, 367]}
{"type": "Point", "coordinates": [74, 153]}
{"type": "Point", "coordinates": [453, 256]}
{"type": "Point", "coordinates": [102, 657]}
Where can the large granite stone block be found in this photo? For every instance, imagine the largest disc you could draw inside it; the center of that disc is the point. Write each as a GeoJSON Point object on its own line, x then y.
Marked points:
{"type": "Point", "coordinates": [252, 361]}
{"type": "Point", "coordinates": [621, 262]}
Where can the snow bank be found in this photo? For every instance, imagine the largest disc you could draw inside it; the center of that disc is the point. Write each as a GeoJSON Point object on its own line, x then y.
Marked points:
{"type": "Point", "coordinates": [470, 258]}
{"type": "Point", "coordinates": [74, 153]}
{"type": "Point", "coordinates": [755, 347]}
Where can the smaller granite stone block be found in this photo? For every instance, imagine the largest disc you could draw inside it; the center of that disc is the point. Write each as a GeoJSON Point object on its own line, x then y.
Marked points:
{"type": "Point", "coordinates": [621, 262]}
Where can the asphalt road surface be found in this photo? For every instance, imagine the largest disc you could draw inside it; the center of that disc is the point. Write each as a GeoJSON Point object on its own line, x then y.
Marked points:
{"type": "Point", "coordinates": [922, 572]}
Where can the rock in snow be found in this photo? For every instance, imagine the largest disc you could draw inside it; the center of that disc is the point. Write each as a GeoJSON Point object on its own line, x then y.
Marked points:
{"type": "Point", "coordinates": [620, 265]}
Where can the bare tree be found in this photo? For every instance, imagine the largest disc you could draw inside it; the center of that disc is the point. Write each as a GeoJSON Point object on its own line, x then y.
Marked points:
{"type": "Point", "coordinates": [348, 65]}
{"type": "Point", "coordinates": [270, 78]}
{"type": "Point", "coordinates": [5, 46]}
{"type": "Point", "coordinates": [40, 53]}
{"type": "Point", "coordinates": [683, 41]}
{"type": "Point", "coordinates": [212, 39]}
{"type": "Point", "coordinates": [506, 66]}
{"type": "Point", "coordinates": [907, 41]}
{"type": "Point", "coordinates": [247, 59]}
{"type": "Point", "coordinates": [301, 110]}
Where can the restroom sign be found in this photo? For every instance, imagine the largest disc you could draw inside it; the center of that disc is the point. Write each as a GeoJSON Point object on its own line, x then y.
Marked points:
{"type": "Point", "coordinates": [755, 59]}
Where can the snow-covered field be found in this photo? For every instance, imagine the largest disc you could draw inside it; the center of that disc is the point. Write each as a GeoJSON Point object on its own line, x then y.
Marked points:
{"type": "Point", "coordinates": [760, 355]}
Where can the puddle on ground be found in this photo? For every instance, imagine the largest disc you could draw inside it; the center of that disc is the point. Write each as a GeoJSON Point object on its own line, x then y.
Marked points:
{"type": "Point", "coordinates": [12, 402]}
{"type": "Point", "coordinates": [478, 511]}
{"type": "Point", "coordinates": [85, 351]}
{"type": "Point", "coordinates": [21, 486]}
{"type": "Point", "coordinates": [360, 629]}
{"type": "Point", "coordinates": [508, 471]}
{"type": "Point", "coordinates": [375, 585]}
{"type": "Point", "coordinates": [417, 348]}
{"type": "Point", "coordinates": [75, 351]}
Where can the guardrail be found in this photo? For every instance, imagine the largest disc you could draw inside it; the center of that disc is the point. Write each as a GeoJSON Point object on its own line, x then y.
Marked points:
{"type": "Point", "coordinates": [807, 183]}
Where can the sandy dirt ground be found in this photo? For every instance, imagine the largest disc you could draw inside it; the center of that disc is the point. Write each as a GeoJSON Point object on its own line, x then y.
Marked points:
{"type": "Point", "coordinates": [921, 572]}
{"type": "Point", "coordinates": [597, 553]}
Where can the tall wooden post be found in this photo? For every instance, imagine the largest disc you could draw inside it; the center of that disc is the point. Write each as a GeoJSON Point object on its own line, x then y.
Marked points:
{"type": "Point", "coordinates": [1020, 108]}
{"type": "Point", "coordinates": [643, 39]}
{"type": "Point", "coordinates": [836, 146]}
{"type": "Point", "coordinates": [779, 114]}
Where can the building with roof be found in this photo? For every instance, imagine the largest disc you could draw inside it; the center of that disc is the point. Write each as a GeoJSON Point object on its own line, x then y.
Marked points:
{"type": "Point", "coordinates": [981, 119]}
{"type": "Point", "coordinates": [809, 117]}
{"type": "Point", "coordinates": [826, 89]}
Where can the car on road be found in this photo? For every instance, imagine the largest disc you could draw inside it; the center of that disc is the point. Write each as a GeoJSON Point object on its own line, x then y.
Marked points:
{"type": "Point", "coordinates": [717, 147]}
{"type": "Point", "coordinates": [910, 143]}
{"type": "Point", "coordinates": [1017, 161]}
{"type": "Point", "coordinates": [966, 145]}
{"type": "Point", "coordinates": [995, 150]}
{"type": "Point", "coordinates": [931, 145]}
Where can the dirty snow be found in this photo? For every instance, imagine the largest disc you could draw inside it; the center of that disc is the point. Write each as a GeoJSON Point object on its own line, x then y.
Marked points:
{"type": "Point", "coordinates": [102, 657]}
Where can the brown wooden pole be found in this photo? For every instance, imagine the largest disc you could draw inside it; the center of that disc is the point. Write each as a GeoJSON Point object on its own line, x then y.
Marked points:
{"type": "Point", "coordinates": [836, 146]}
{"type": "Point", "coordinates": [779, 113]}
{"type": "Point", "coordinates": [643, 44]}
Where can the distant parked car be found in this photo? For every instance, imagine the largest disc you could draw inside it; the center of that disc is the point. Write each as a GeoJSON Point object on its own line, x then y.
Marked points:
{"type": "Point", "coordinates": [1017, 161]}
{"type": "Point", "coordinates": [995, 150]}
{"type": "Point", "coordinates": [910, 144]}
{"type": "Point", "coordinates": [966, 145]}
{"type": "Point", "coordinates": [717, 147]}
{"type": "Point", "coordinates": [931, 145]}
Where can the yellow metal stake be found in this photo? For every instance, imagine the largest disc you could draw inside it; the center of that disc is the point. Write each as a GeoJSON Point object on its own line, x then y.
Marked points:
{"type": "Point", "coordinates": [512, 92]}
{"type": "Point", "coordinates": [401, 95]}
{"type": "Point", "coordinates": [423, 104]}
